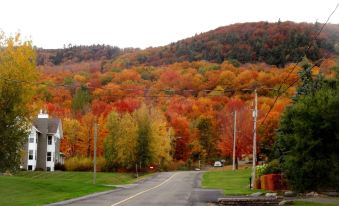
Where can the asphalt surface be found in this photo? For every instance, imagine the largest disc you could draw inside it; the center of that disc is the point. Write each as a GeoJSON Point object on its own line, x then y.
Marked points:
{"type": "Point", "coordinates": [166, 188]}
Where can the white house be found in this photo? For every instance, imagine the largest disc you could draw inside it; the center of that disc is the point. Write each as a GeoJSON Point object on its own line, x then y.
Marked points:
{"type": "Point", "coordinates": [43, 146]}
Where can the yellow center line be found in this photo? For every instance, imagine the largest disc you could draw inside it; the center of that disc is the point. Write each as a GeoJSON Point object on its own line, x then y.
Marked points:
{"type": "Point", "coordinates": [142, 192]}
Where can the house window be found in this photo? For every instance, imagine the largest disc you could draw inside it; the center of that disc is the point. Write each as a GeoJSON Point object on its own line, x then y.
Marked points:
{"type": "Point", "coordinates": [49, 156]}
{"type": "Point", "coordinates": [30, 167]}
{"type": "Point", "coordinates": [48, 169]}
{"type": "Point", "coordinates": [49, 140]}
{"type": "Point", "coordinates": [30, 154]}
{"type": "Point", "coordinates": [31, 140]}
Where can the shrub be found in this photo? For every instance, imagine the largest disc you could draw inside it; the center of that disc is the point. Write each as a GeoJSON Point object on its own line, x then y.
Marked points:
{"type": "Point", "coordinates": [38, 169]}
{"type": "Point", "coordinates": [175, 165]}
{"type": "Point", "coordinates": [101, 164]}
{"type": "Point", "coordinates": [59, 166]}
{"type": "Point", "coordinates": [78, 164]}
{"type": "Point", "coordinates": [272, 167]}
{"type": "Point", "coordinates": [260, 169]}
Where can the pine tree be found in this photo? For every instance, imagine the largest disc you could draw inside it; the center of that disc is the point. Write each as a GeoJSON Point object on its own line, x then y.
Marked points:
{"type": "Point", "coordinates": [308, 137]}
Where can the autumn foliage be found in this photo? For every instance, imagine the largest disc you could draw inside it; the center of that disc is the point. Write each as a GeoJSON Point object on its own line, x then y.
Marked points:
{"type": "Point", "coordinates": [197, 101]}
{"type": "Point", "coordinates": [175, 101]}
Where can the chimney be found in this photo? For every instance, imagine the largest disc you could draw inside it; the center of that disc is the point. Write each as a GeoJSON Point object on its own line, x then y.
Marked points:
{"type": "Point", "coordinates": [43, 114]}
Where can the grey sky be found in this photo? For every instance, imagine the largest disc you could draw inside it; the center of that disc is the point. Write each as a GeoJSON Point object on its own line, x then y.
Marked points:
{"type": "Point", "coordinates": [144, 23]}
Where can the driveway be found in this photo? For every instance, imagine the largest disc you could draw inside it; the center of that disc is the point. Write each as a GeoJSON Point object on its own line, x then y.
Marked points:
{"type": "Point", "coordinates": [166, 188]}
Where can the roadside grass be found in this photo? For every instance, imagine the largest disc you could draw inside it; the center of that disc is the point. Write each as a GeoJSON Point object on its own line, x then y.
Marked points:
{"type": "Point", "coordinates": [301, 203]}
{"type": "Point", "coordinates": [38, 188]}
{"type": "Point", "coordinates": [237, 183]}
{"type": "Point", "coordinates": [232, 182]}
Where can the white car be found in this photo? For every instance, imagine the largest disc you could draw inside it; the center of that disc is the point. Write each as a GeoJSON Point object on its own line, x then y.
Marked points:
{"type": "Point", "coordinates": [217, 164]}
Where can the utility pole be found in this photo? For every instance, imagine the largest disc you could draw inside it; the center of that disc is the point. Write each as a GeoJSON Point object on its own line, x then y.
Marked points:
{"type": "Point", "coordinates": [255, 115]}
{"type": "Point", "coordinates": [95, 153]}
{"type": "Point", "coordinates": [234, 137]}
{"type": "Point", "coordinates": [136, 170]}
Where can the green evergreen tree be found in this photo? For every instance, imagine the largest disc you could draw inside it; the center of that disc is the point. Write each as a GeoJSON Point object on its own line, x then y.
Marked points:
{"type": "Point", "coordinates": [208, 139]}
{"type": "Point", "coordinates": [308, 136]}
{"type": "Point", "coordinates": [81, 100]}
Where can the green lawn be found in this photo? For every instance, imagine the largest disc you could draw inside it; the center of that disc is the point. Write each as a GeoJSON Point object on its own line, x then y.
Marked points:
{"type": "Point", "coordinates": [237, 183]}
{"type": "Point", "coordinates": [37, 188]}
{"type": "Point", "coordinates": [300, 203]}
{"type": "Point", "coordinates": [232, 182]}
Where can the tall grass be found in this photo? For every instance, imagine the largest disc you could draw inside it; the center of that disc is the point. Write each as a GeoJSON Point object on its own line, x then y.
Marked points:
{"type": "Point", "coordinates": [83, 164]}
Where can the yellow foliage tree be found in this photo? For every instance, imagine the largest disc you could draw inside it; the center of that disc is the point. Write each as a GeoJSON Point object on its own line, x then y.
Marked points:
{"type": "Point", "coordinates": [72, 133]}
{"type": "Point", "coordinates": [160, 143]}
{"type": "Point", "coordinates": [126, 141]}
{"type": "Point", "coordinates": [87, 125]}
{"type": "Point", "coordinates": [121, 141]}
{"type": "Point", "coordinates": [80, 78]}
{"type": "Point", "coordinates": [132, 137]}
{"type": "Point", "coordinates": [17, 72]}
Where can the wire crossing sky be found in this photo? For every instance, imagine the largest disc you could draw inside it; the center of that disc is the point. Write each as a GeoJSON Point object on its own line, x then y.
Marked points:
{"type": "Point", "coordinates": [144, 23]}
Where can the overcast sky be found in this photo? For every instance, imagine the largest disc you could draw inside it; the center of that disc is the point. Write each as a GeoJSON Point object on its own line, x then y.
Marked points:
{"type": "Point", "coordinates": [144, 23]}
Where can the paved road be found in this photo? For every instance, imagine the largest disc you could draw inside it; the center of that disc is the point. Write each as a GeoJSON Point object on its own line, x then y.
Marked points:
{"type": "Point", "coordinates": [167, 189]}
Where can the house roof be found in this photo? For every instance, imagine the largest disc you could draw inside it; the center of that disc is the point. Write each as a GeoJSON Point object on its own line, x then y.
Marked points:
{"type": "Point", "coordinates": [53, 125]}
{"type": "Point", "coordinates": [47, 126]}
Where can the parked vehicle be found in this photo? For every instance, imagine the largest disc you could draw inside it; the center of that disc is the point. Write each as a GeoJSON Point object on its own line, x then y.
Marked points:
{"type": "Point", "coordinates": [217, 164]}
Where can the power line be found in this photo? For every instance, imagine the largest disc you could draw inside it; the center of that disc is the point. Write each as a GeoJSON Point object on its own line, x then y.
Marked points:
{"type": "Point", "coordinates": [178, 91]}
{"type": "Point", "coordinates": [170, 91]}
{"type": "Point", "coordinates": [285, 90]}
{"type": "Point", "coordinates": [292, 70]}
{"type": "Point", "coordinates": [309, 45]}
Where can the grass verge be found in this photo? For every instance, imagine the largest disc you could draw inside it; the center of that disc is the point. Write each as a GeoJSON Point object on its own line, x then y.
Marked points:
{"type": "Point", "coordinates": [38, 188]}
{"type": "Point", "coordinates": [232, 182]}
{"type": "Point", "coordinates": [237, 183]}
{"type": "Point", "coordinates": [301, 203]}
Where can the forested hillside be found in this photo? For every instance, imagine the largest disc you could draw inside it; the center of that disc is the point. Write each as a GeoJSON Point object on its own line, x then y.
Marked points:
{"type": "Point", "coordinates": [192, 102]}
{"type": "Point", "coordinates": [273, 43]}
{"type": "Point", "coordinates": [170, 103]}
{"type": "Point", "coordinates": [74, 54]}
